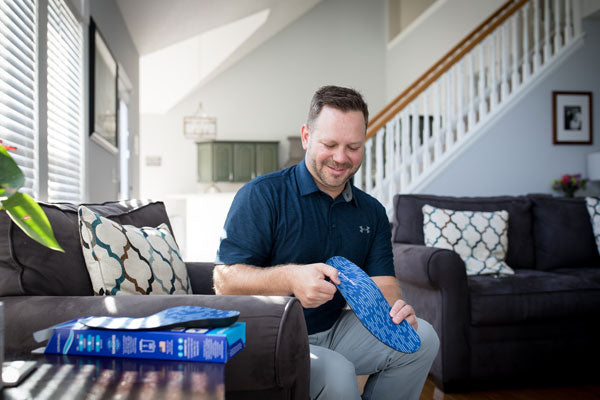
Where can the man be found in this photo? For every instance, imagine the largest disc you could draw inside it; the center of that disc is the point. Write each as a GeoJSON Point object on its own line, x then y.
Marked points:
{"type": "Point", "coordinates": [283, 226]}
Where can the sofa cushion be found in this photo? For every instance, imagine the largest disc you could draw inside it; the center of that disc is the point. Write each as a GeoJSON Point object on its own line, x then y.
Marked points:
{"type": "Point", "coordinates": [563, 234]}
{"type": "Point", "coordinates": [408, 221]}
{"type": "Point", "coordinates": [478, 237]}
{"type": "Point", "coordinates": [125, 259]}
{"type": "Point", "coordinates": [534, 295]}
{"type": "Point", "coordinates": [28, 268]}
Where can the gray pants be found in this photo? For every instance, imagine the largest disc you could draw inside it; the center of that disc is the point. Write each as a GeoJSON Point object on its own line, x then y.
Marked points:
{"type": "Point", "coordinates": [348, 349]}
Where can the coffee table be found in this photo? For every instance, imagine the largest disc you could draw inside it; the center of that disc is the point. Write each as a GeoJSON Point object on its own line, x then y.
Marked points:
{"type": "Point", "coordinates": [77, 377]}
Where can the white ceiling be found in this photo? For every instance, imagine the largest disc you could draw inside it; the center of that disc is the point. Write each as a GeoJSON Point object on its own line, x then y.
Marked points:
{"type": "Point", "coordinates": [155, 24]}
{"type": "Point", "coordinates": [162, 28]}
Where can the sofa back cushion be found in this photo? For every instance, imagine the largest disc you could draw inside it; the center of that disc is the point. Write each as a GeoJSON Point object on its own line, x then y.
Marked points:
{"type": "Point", "coordinates": [563, 234]}
{"type": "Point", "coordinates": [28, 268]}
{"type": "Point", "coordinates": [408, 221]}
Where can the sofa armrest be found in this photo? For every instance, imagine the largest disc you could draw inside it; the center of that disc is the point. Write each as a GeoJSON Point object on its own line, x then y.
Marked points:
{"type": "Point", "coordinates": [434, 282]}
{"type": "Point", "coordinates": [276, 353]}
{"type": "Point", "coordinates": [201, 277]}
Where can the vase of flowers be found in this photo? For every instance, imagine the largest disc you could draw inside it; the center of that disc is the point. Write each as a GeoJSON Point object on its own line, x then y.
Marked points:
{"type": "Point", "coordinates": [569, 184]}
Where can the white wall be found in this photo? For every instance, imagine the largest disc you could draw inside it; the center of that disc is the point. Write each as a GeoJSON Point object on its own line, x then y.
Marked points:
{"type": "Point", "coordinates": [266, 95]}
{"type": "Point", "coordinates": [516, 156]}
{"type": "Point", "coordinates": [102, 166]}
{"type": "Point", "coordinates": [430, 37]}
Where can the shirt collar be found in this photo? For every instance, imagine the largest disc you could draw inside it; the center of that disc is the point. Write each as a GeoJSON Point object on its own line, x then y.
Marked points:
{"type": "Point", "coordinates": [307, 185]}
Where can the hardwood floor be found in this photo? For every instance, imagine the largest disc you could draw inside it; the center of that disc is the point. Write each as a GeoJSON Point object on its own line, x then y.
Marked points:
{"type": "Point", "coordinates": [430, 392]}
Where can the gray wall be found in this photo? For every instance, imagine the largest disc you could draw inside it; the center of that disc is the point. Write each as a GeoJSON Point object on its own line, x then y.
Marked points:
{"type": "Point", "coordinates": [103, 167]}
{"type": "Point", "coordinates": [516, 155]}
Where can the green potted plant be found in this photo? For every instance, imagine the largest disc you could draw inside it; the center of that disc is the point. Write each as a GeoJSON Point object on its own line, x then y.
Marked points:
{"type": "Point", "coordinates": [22, 208]}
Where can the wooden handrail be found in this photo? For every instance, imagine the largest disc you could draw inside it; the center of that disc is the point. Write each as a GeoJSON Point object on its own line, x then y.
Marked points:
{"type": "Point", "coordinates": [450, 59]}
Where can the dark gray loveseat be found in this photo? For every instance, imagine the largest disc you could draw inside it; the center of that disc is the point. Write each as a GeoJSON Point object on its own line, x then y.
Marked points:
{"type": "Point", "coordinates": [41, 287]}
{"type": "Point", "coordinates": [540, 325]}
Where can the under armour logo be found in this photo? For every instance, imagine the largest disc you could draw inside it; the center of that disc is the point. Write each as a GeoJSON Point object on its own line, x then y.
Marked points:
{"type": "Point", "coordinates": [365, 229]}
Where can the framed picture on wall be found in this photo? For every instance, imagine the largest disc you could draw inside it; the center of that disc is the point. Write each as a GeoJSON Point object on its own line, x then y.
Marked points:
{"type": "Point", "coordinates": [572, 112]}
{"type": "Point", "coordinates": [103, 92]}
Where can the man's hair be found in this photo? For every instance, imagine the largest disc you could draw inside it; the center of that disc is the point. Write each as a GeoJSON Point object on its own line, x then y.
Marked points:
{"type": "Point", "coordinates": [340, 98]}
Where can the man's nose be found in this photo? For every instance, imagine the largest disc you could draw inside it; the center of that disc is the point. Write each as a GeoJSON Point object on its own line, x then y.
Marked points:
{"type": "Point", "coordinates": [339, 155]}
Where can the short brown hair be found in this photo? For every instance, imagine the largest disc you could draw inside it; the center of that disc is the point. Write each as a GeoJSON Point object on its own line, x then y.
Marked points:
{"type": "Point", "coordinates": [340, 98]}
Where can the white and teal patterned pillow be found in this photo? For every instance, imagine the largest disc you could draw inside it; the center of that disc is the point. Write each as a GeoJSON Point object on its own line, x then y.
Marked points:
{"type": "Point", "coordinates": [480, 238]}
{"type": "Point", "coordinates": [124, 259]}
{"type": "Point", "coordinates": [593, 207]}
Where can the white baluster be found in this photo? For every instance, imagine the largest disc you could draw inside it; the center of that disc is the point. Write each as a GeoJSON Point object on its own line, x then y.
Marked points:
{"type": "Point", "coordinates": [557, 27]}
{"type": "Point", "coordinates": [358, 182]}
{"type": "Point", "coordinates": [449, 122]}
{"type": "Point", "coordinates": [471, 77]}
{"type": "Point", "coordinates": [398, 147]}
{"type": "Point", "coordinates": [437, 137]}
{"type": "Point", "coordinates": [547, 37]}
{"type": "Point", "coordinates": [536, 36]}
{"type": "Point", "coordinates": [493, 79]}
{"type": "Point", "coordinates": [426, 132]}
{"type": "Point", "coordinates": [379, 158]}
{"type": "Point", "coordinates": [405, 150]}
{"type": "Point", "coordinates": [369, 166]}
{"type": "Point", "coordinates": [525, 65]}
{"type": "Point", "coordinates": [389, 149]}
{"type": "Point", "coordinates": [514, 81]}
{"type": "Point", "coordinates": [576, 18]}
{"type": "Point", "coordinates": [504, 63]}
{"type": "Point", "coordinates": [394, 187]}
{"type": "Point", "coordinates": [482, 75]}
{"type": "Point", "coordinates": [460, 115]}
{"type": "Point", "coordinates": [414, 170]}
{"type": "Point", "coordinates": [568, 22]}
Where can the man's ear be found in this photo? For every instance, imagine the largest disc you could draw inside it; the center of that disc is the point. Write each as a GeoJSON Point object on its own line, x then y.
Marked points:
{"type": "Point", "coordinates": [305, 136]}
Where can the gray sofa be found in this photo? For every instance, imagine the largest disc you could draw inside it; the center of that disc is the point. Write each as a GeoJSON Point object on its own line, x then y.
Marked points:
{"type": "Point", "coordinates": [538, 326]}
{"type": "Point", "coordinates": [40, 287]}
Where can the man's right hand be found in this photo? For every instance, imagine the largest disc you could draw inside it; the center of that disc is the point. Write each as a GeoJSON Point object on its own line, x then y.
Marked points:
{"type": "Point", "coordinates": [308, 283]}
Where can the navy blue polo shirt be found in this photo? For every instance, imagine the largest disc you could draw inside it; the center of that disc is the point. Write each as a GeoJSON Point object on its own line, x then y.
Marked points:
{"type": "Point", "coordinates": [284, 218]}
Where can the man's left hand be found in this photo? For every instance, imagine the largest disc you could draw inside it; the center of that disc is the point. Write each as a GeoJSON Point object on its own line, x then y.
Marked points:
{"type": "Point", "coordinates": [403, 311]}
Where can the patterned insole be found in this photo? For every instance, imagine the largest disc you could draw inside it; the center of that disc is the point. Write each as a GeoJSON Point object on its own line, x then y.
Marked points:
{"type": "Point", "coordinates": [182, 316]}
{"type": "Point", "coordinates": [371, 308]}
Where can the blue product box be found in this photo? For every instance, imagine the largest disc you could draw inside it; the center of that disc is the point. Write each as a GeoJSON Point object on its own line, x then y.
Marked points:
{"type": "Point", "coordinates": [184, 344]}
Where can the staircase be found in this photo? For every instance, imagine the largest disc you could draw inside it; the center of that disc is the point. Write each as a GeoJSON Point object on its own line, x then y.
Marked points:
{"type": "Point", "coordinates": [452, 104]}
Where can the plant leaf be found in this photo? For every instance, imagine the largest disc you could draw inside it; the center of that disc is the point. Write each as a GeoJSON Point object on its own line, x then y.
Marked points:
{"type": "Point", "coordinates": [11, 176]}
{"type": "Point", "coordinates": [30, 217]}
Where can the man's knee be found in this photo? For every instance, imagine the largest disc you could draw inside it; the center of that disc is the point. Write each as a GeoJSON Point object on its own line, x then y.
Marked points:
{"type": "Point", "coordinates": [430, 342]}
{"type": "Point", "coordinates": [332, 376]}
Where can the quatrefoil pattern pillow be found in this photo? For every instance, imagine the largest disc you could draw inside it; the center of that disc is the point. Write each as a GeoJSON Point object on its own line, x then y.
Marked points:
{"type": "Point", "coordinates": [480, 238]}
{"type": "Point", "coordinates": [124, 259]}
{"type": "Point", "coordinates": [593, 207]}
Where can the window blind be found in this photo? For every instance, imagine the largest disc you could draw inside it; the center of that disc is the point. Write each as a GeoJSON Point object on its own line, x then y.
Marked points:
{"type": "Point", "coordinates": [18, 85]}
{"type": "Point", "coordinates": [65, 103]}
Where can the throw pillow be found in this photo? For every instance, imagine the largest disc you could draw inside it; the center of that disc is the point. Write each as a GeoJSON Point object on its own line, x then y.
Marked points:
{"type": "Point", "coordinates": [408, 220]}
{"type": "Point", "coordinates": [593, 207]}
{"type": "Point", "coordinates": [124, 259]}
{"type": "Point", "coordinates": [480, 238]}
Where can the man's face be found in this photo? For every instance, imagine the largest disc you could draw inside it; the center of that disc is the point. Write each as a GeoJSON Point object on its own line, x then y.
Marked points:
{"type": "Point", "coordinates": [334, 148]}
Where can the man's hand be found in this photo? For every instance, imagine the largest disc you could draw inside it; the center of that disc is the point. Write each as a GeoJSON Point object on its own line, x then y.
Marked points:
{"type": "Point", "coordinates": [308, 283]}
{"type": "Point", "coordinates": [402, 311]}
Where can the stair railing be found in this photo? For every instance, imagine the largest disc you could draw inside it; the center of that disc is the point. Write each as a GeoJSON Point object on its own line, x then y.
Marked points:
{"type": "Point", "coordinates": [427, 122]}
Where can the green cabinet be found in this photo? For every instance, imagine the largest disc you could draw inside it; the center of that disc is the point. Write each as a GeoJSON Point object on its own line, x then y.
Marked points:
{"type": "Point", "coordinates": [236, 161]}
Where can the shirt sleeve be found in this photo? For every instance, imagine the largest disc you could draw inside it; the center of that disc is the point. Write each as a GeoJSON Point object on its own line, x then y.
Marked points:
{"type": "Point", "coordinates": [247, 235]}
{"type": "Point", "coordinates": [380, 260]}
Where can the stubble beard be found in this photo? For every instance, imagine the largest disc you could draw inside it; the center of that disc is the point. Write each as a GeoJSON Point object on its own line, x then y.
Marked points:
{"type": "Point", "coordinates": [327, 180]}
